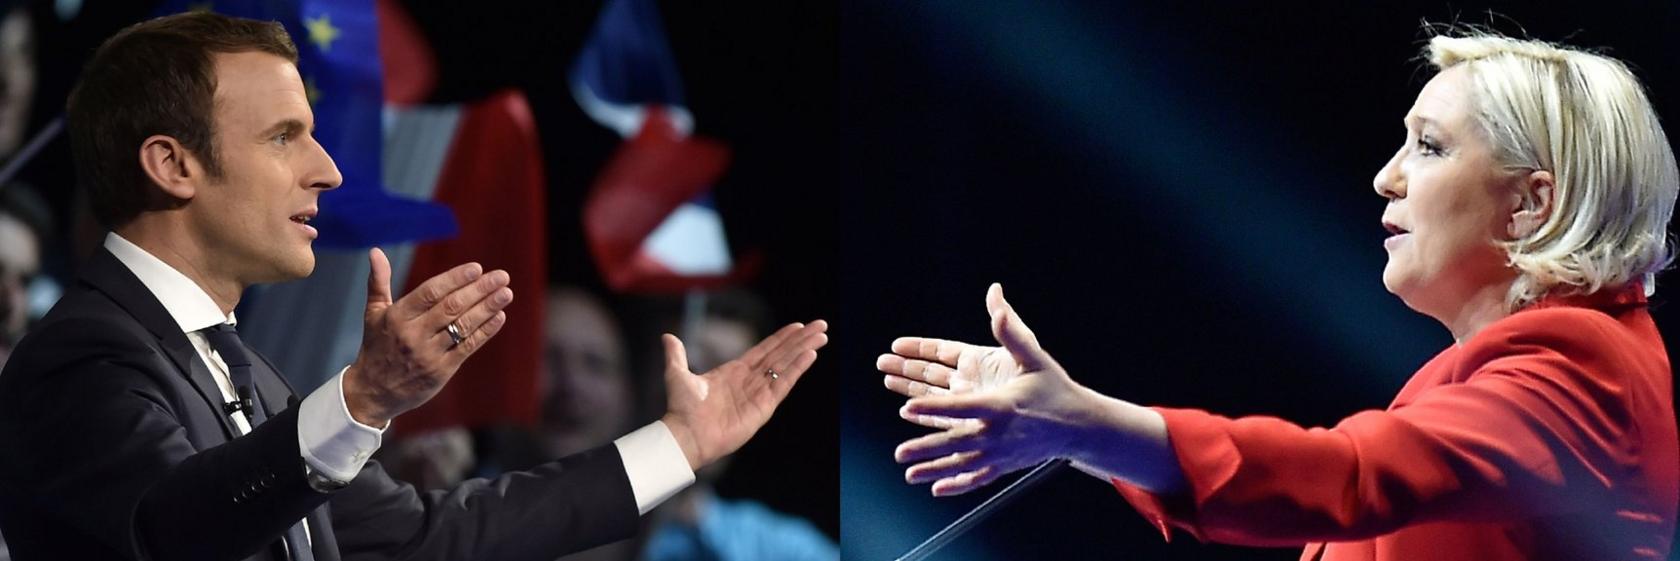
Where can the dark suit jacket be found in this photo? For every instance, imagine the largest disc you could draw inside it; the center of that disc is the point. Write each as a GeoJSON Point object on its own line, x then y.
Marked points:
{"type": "Point", "coordinates": [113, 446]}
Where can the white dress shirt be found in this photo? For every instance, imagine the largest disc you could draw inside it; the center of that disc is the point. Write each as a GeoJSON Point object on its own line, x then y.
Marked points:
{"type": "Point", "coordinates": [333, 443]}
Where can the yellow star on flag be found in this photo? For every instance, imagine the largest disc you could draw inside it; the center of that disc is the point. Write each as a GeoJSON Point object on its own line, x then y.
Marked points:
{"type": "Point", "coordinates": [321, 32]}
{"type": "Point", "coordinates": [310, 91]}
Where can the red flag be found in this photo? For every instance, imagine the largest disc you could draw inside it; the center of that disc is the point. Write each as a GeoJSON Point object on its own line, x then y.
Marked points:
{"type": "Point", "coordinates": [493, 179]}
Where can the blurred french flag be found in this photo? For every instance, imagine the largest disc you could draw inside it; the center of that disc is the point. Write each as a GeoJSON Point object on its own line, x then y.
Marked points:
{"type": "Point", "coordinates": [649, 218]}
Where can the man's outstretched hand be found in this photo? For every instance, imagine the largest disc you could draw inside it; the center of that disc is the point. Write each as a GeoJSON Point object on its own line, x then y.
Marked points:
{"type": "Point", "coordinates": [407, 353]}
{"type": "Point", "coordinates": [713, 414]}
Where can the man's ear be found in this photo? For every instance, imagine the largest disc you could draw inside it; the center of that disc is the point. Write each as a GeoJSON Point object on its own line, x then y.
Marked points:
{"type": "Point", "coordinates": [1534, 206]}
{"type": "Point", "coordinates": [171, 166]}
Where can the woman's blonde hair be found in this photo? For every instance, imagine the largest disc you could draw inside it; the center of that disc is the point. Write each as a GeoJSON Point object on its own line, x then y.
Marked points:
{"type": "Point", "coordinates": [1585, 118]}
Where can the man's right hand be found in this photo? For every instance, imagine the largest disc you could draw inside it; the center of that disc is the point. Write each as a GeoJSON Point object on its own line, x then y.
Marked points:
{"type": "Point", "coordinates": [407, 354]}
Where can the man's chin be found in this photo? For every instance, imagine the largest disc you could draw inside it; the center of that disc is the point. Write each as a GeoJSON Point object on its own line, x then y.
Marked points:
{"type": "Point", "coordinates": [305, 266]}
{"type": "Point", "coordinates": [293, 267]}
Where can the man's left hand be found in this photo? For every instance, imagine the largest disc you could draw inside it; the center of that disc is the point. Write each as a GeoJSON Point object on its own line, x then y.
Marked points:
{"type": "Point", "coordinates": [713, 414]}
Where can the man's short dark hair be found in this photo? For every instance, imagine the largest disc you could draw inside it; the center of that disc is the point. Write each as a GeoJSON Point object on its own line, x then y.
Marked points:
{"type": "Point", "coordinates": [154, 77]}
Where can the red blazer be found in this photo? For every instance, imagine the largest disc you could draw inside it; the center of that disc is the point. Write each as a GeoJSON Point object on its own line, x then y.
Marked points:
{"type": "Point", "coordinates": [1548, 435]}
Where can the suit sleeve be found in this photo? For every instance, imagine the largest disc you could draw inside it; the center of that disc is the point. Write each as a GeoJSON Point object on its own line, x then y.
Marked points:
{"type": "Point", "coordinates": [563, 506]}
{"type": "Point", "coordinates": [1540, 427]}
{"type": "Point", "coordinates": [102, 442]}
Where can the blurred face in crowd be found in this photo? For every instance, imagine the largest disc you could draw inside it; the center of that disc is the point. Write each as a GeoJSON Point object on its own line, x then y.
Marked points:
{"type": "Point", "coordinates": [586, 381]}
{"type": "Point", "coordinates": [20, 258]}
{"type": "Point", "coordinates": [253, 217]}
{"type": "Point", "coordinates": [17, 78]}
{"type": "Point", "coordinates": [718, 341]}
{"type": "Point", "coordinates": [1448, 201]}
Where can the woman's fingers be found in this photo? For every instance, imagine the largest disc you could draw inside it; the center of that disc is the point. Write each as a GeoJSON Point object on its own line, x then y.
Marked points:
{"type": "Point", "coordinates": [966, 481]}
{"type": "Point", "coordinates": [942, 467]}
{"type": "Point", "coordinates": [1013, 333]}
{"type": "Point", "coordinates": [962, 438]}
{"type": "Point", "coordinates": [934, 350]}
{"type": "Point", "coordinates": [911, 388]}
{"type": "Point", "coordinates": [967, 406]}
{"type": "Point", "coordinates": [921, 372]}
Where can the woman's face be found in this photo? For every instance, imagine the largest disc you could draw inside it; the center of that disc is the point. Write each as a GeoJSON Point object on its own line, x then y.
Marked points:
{"type": "Point", "coordinates": [1448, 201]}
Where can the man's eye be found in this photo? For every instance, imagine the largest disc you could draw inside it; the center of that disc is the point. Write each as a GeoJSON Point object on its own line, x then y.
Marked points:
{"type": "Point", "coordinates": [283, 138]}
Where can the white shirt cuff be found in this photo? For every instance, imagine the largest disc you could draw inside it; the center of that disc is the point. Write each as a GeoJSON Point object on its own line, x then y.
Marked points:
{"type": "Point", "coordinates": [655, 463]}
{"type": "Point", "coordinates": [333, 443]}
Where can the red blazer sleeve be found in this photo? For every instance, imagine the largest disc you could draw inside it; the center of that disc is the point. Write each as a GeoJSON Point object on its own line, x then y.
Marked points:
{"type": "Point", "coordinates": [1535, 418]}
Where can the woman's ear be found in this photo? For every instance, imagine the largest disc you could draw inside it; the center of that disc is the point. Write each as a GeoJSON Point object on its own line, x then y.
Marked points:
{"type": "Point", "coordinates": [170, 166]}
{"type": "Point", "coordinates": [1534, 204]}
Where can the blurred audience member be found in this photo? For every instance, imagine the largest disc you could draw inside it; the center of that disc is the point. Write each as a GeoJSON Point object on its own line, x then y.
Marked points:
{"type": "Point", "coordinates": [24, 223]}
{"type": "Point", "coordinates": [587, 394]}
{"type": "Point", "coordinates": [587, 399]}
{"type": "Point", "coordinates": [432, 460]}
{"type": "Point", "coordinates": [697, 524]}
{"type": "Point", "coordinates": [586, 388]}
{"type": "Point", "coordinates": [17, 77]}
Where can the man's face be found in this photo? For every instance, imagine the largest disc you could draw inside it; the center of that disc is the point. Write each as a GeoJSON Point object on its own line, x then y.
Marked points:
{"type": "Point", "coordinates": [252, 217]}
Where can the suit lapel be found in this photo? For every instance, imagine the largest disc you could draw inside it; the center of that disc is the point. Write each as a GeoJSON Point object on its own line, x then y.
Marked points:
{"type": "Point", "coordinates": [105, 273]}
{"type": "Point", "coordinates": [108, 275]}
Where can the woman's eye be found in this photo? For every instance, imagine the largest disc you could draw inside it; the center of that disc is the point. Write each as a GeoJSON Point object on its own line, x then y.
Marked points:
{"type": "Point", "coordinates": [1428, 147]}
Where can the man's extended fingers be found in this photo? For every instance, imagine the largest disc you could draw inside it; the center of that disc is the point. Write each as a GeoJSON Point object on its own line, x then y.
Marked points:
{"type": "Point", "coordinates": [755, 355]}
{"type": "Point", "coordinates": [379, 279]}
{"type": "Point", "coordinates": [477, 339]}
{"type": "Point", "coordinates": [942, 467]}
{"type": "Point", "coordinates": [966, 481]}
{"type": "Point", "coordinates": [785, 380]}
{"type": "Point", "coordinates": [491, 288]}
{"type": "Point", "coordinates": [962, 438]}
{"type": "Point", "coordinates": [676, 356]}
{"type": "Point", "coordinates": [429, 293]}
{"type": "Point", "coordinates": [938, 350]}
{"type": "Point", "coordinates": [809, 338]}
{"type": "Point", "coordinates": [475, 318]}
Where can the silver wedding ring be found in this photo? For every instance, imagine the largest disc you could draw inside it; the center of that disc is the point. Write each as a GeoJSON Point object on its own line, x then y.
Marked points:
{"type": "Point", "coordinates": [772, 373]}
{"type": "Point", "coordinates": [455, 335]}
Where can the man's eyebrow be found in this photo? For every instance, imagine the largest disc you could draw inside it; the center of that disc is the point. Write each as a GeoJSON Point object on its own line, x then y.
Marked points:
{"type": "Point", "coordinates": [292, 126]}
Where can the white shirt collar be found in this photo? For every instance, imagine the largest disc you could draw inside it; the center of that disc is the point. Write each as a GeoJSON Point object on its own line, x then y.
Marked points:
{"type": "Point", "coordinates": [188, 303]}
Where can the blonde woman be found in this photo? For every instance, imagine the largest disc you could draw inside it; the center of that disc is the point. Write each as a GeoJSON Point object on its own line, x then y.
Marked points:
{"type": "Point", "coordinates": [1528, 209]}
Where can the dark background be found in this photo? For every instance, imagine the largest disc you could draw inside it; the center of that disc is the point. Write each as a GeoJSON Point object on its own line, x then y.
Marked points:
{"type": "Point", "coordinates": [1177, 198]}
{"type": "Point", "coordinates": [759, 77]}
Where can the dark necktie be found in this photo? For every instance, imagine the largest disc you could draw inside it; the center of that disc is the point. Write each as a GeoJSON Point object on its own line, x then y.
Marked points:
{"type": "Point", "coordinates": [225, 340]}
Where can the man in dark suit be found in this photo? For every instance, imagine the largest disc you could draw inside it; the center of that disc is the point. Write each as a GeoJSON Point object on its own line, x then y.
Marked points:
{"type": "Point", "coordinates": [134, 424]}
